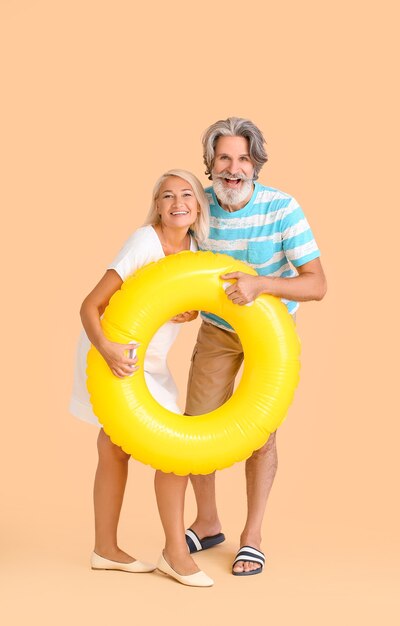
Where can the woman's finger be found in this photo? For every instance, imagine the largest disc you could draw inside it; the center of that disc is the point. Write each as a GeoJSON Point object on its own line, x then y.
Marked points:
{"type": "Point", "coordinates": [117, 373]}
{"type": "Point", "coordinates": [123, 372]}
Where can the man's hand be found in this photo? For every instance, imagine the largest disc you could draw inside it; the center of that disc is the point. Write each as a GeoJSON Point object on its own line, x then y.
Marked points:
{"type": "Point", "coordinates": [245, 289]}
{"type": "Point", "coordinates": [188, 316]}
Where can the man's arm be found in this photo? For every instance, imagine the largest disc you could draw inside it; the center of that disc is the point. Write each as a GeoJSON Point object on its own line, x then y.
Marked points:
{"type": "Point", "coordinates": [310, 284]}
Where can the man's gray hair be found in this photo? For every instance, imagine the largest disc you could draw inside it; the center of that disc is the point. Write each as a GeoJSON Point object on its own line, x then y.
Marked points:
{"type": "Point", "coordinates": [234, 127]}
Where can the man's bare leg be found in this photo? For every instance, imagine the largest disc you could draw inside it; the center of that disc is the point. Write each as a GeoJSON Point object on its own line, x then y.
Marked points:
{"type": "Point", "coordinates": [207, 522]}
{"type": "Point", "coordinates": [260, 473]}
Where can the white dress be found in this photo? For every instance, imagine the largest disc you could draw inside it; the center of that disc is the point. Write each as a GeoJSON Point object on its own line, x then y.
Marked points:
{"type": "Point", "coordinates": [142, 247]}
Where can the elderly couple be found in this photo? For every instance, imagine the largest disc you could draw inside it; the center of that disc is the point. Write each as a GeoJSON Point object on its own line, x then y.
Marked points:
{"type": "Point", "coordinates": [238, 216]}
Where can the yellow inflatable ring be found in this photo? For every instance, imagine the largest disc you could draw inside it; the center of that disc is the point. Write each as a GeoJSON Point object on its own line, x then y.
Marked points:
{"type": "Point", "coordinates": [201, 444]}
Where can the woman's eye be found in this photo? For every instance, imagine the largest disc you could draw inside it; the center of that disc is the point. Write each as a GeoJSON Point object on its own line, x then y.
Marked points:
{"type": "Point", "coordinates": [189, 195]}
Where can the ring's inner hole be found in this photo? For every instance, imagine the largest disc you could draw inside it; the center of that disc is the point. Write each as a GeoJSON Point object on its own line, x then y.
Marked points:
{"type": "Point", "coordinates": [179, 359]}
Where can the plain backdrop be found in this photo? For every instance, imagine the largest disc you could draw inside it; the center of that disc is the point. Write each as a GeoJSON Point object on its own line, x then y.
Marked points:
{"type": "Point", "coordinates": [98, 99]}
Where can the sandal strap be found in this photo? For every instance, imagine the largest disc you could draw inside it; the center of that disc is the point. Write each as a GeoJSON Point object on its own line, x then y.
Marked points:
{"type": "Point", "coordinates": [251, 555]}
{"type": "Point", "coordinates": [193, 541]}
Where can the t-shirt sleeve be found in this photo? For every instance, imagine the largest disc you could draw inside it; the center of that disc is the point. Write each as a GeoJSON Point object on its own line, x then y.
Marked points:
{"type": "Point", "coordinates": [297, 238]}
{"type": "Point", "coordinates": [135, 253]}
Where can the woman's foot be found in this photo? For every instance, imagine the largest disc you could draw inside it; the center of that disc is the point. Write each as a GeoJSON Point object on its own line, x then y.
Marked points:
{"type": "Point", "coordinates": [196, 579]}
{"type": "Point", "coordinates": [100, 563]}
{"type": "Point", "coordinates": [182, 563]}
{"type": "Point", "coordinates": [114, 554]}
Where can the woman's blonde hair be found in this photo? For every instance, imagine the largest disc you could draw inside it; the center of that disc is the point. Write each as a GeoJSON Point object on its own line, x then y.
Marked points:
{"type": "Point", "coordinates": [201, 226]}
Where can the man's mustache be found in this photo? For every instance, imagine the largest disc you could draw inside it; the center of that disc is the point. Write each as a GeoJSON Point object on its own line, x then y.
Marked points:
{"type": "Point", "coordinates": [227, 175]}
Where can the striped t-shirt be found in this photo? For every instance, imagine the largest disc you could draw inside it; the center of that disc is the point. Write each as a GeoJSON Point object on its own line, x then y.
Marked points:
{"type": "Point", "coordinates": [270, 233]}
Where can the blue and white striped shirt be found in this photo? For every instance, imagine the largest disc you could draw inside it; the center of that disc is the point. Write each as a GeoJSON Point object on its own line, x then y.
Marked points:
{"type": "Point", "coordinates": [270, 233]}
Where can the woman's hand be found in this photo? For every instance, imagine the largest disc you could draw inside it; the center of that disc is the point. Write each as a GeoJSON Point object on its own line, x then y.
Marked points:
{"type": "Point", "coordinates": [116, 358]}
{"type": "Point", "coordinates": [187, 316]}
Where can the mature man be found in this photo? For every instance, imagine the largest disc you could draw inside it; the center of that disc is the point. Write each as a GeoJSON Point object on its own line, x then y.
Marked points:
{"type": "Point", "coordinates": [267, 229]}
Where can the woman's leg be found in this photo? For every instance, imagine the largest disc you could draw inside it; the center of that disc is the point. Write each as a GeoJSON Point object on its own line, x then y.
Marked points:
{"type": "Point", "coordinates": [170, 493]}
{"type": "Point", "coordinates": [109, 487]}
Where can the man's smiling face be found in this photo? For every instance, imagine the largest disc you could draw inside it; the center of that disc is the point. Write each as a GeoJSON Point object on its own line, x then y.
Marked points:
{"type": "Point", "coordinates": [233, 171]}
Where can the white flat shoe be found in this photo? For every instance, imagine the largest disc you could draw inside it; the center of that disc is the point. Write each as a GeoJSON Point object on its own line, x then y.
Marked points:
{"type": "Point", "coordinates": [199, 579]}
{"type": "Point", "coordinates": [99, 562]}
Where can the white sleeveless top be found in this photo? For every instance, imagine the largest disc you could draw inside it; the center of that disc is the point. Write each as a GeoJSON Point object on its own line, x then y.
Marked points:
{"type": "Point", "coordinates": [142, 248]}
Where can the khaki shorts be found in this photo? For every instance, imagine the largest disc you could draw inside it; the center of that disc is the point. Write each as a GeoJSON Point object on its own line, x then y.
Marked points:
{"type": "Point", "coordinates": [216, 360]}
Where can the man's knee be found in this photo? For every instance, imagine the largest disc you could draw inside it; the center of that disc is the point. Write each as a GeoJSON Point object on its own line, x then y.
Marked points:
{"type": "Point", "coordinates": [269, 448]}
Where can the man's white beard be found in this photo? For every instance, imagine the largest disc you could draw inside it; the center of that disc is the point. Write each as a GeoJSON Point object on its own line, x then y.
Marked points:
{"type": "Point", "coordinates": [232, 196]}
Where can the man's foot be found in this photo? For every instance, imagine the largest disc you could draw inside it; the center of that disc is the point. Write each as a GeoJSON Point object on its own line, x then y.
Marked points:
{"type": "Point", "coordinates": [206, 528]}
{"type": "Point", "coordinates": [246, 566]}
{"type": "Point", "coordinates": [248, 561]}
{"type": "Point", "coordinates": [195, 544]}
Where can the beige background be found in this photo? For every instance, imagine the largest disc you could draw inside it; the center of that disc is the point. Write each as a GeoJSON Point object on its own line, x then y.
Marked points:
{"type": "Point", "coordinates": [98, 99]}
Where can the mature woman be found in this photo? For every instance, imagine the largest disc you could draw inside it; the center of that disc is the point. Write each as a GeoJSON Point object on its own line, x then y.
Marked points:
{"type": "Point", "coordinates": [179, 208]}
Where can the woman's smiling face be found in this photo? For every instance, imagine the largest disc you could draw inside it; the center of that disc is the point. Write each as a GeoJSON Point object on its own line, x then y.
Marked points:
{"type": "Point", "coordinates": [176, 203]}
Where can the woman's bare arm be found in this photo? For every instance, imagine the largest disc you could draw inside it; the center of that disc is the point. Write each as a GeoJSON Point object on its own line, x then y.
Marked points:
{"type": "Point", "coordinates": [92, 308]}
